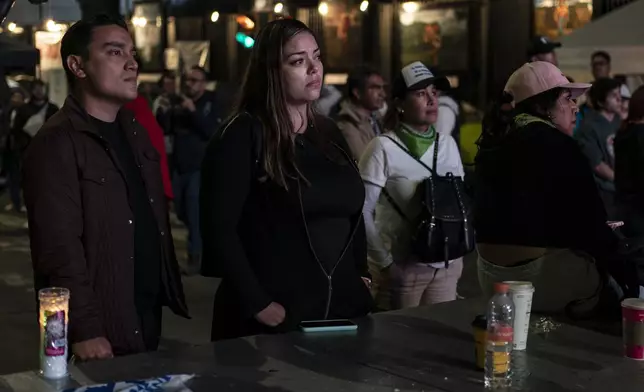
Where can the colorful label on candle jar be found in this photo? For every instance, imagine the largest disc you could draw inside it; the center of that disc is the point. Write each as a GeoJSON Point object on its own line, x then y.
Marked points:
{"type": "Point", "coordinates": [55, 336]}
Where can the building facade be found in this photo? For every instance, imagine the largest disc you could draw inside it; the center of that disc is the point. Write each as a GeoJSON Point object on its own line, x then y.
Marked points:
{"type": "Point", "coordinates": [477, 43]}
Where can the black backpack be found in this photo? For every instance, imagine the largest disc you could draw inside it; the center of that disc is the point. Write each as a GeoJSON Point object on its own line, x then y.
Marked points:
{"type": "Point", "coordinates": [444, 228]}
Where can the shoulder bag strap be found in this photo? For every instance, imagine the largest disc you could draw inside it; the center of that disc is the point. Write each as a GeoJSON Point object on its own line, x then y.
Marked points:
{"type": "Point", "coordinates": [432, 171]}
{"type": "Point", "coordinates": [395, 205]}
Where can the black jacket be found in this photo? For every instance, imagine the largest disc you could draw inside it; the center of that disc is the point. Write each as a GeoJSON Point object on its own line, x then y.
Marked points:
{"type": "Point", "coordinates": [255, 236]}
{"type": "Point", "coordinates": [629, 178]}
{"type": "Point", "coordinates": [81, 225]}
{"type": "Point", "coordinates": [192, 130]}
{"type": "Point", "coordinates": [535, 188]}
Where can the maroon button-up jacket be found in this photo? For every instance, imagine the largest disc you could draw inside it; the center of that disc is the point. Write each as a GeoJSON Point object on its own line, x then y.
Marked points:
{"type": "Point", "coordinates": [81, 225]}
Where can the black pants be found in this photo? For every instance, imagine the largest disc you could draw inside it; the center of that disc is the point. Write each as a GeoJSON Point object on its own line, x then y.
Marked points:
{"type": "Point", "coordinates": [150, 320]}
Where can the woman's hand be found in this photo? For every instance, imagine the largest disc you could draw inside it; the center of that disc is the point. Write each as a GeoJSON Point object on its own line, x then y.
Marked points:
{"type": "Point", "coordinates": [615, 224]}
{"type": "Point", "coordinates": [273, 315]}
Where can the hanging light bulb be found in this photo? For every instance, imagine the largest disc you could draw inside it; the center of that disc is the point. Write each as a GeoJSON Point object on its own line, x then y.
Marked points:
{"type": "Point", "coordinates": [279, 8]}
{"type": "Point", "coordinates": [323, 8]}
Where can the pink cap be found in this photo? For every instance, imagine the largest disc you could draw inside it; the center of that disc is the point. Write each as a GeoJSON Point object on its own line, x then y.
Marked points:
{"type": "Point", "coordinates": [539, 76]}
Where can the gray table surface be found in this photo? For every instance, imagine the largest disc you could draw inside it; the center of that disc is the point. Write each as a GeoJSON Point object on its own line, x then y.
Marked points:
{"type": "Point", "coordinates": [421, 349]}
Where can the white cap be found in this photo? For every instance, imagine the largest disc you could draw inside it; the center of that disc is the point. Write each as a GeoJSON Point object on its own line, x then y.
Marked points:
{"type": "Point", "coordinates": [625, 92]}
{"type": "Point", "coordinates": [416, 76]}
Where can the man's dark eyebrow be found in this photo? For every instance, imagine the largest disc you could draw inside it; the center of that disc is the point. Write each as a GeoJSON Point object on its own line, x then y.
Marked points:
{"type": "Point", "coordinates": [302, 52]}
{"type": "Point", "coordinates": [114, 44]}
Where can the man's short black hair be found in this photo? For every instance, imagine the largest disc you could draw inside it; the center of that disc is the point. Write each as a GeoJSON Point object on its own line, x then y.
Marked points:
{"type": "Point", "coordinates": [357, 78]}
{"type": "Point", "coordinates": [200, 69]}
{"type": "Point", "coordinates": [601, 53]}
{"type": "Point", "coordinates": [600, 90]}
{"type": "Point", "coordinates": [77, 39]}
{"type": "Point", "coordinates": [38, 82]}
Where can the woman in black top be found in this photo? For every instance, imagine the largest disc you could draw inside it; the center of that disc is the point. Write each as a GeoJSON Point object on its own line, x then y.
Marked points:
{"type": "Point", "coordinates": [537, 204]}
{"type": "Point", "coordinates": [281, 199]}
{"type": "Point", "coordinates": [629, 167]}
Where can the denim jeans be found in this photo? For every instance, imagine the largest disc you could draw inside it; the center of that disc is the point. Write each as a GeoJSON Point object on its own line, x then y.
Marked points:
{"type": "Point", "coordinates": [186, 200]}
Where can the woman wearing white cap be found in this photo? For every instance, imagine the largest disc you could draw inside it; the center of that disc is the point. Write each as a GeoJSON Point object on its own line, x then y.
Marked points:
{"type": "Point", "coordinates": [539, 216]}
{"type": "Point", "coordinates": [390, 167]}
{"type": "Point", "coordinates": [626, 99]}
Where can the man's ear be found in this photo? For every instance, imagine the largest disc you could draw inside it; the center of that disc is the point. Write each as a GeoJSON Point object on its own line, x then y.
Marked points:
{"type": "Point", "coordinates": [355, 94]}
{"type": "Point", "coordinates": [75, 64]}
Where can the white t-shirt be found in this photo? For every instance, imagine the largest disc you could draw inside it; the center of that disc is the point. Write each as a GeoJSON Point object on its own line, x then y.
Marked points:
{"type": "Point", "coordinates": [447, 112]}
{"type": "Point", "coordinates": [385, 165]}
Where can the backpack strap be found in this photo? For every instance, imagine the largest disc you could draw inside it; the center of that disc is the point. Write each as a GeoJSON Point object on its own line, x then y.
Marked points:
{"type": "Point", "coordinates": [429, 184]}
{"type": "Point", "coordinates": [435, 160]}
{"type": "Point", "coordinates": [436, 144]}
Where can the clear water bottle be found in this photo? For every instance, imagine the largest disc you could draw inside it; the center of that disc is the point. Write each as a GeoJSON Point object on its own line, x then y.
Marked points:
{"type": "Point", "coordinates": [500, 322]}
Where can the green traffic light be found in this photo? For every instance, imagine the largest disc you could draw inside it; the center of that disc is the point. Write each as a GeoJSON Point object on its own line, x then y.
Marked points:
{"type": "Point", "coordinates": [245, 40]}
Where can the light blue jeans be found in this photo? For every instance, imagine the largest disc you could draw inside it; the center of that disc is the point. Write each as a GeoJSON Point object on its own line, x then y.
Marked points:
{"type": "Point", "coordinates": [186, 200]}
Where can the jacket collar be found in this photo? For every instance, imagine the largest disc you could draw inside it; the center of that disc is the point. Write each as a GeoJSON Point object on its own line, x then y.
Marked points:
{"type": "Point", "coordinates": [80, 119]}
{"type": "Point", "coordinates": [350, 109]}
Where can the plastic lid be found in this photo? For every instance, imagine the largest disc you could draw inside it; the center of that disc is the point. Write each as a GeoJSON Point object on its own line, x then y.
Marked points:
{"type": "Point", "coordinates": [633, 303]}
{"type": "Point", "coordinates": [501, 288]}
{"type": "Point", "coordinates": [517, 285]}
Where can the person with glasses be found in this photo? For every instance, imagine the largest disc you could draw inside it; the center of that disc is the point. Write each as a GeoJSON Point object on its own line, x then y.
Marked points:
{"type": "Point", "coordinates": [600, 64]}
{"type": "Point", "coordinates": [195, 118]}
{"type": "Point", "coordinates": [358, 118]}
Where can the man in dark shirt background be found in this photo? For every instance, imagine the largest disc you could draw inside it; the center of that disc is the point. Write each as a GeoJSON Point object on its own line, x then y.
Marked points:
{"type": "Point", "coordinates": [543, 49]}
{"type": "Point", "coordinates": [98, 216]}
{"type": "Point", "coordinates": [596, 136]}
{"type": "Point", "coordinates": [194, 120]}
{"type": "Point", "coordinates": [600, 64]}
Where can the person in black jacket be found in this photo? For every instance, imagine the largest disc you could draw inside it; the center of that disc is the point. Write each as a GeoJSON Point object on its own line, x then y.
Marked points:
{"type": "Point", "coordinates": [193, 119]}
{"type": "Point", "coordinates": [539, 216]}
{"type": "Point", "coordinates": [629, 168]}
{"type": "Point", "coordinates": [26, 122]}
{"type": "Point", "coordinates": [281, 199]}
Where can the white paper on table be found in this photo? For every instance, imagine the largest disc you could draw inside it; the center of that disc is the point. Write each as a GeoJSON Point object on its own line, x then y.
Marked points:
{"type": "Point", "coordinates": [170, 383]}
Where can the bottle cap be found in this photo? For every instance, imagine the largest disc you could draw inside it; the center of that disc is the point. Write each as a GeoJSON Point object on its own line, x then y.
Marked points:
{"type": "Point", "coordinates": [501, 288]}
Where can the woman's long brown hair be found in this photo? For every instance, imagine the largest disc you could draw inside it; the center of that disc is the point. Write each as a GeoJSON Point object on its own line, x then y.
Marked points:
{"type": "Point", "coordinates": [263, 96]}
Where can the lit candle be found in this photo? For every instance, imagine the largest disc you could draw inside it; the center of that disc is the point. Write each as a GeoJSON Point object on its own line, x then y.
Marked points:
{"type": "Point", "coordinates": [54, 315]}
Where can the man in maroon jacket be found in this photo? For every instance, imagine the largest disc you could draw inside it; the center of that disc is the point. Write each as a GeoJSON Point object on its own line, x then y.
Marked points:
{"type": "Point", "coordinates": [98, 215]}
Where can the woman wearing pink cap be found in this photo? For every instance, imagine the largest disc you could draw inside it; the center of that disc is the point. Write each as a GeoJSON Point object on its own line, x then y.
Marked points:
{"type": "Point", "coordinates": [539, 216]}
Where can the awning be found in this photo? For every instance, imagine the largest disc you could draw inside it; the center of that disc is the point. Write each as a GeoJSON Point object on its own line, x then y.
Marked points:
{"type": "Point", "coordinates": [24, 13]}
{"type": "Point", "coordinates": [620, 33]}
{"type": "Point", "coordinates": [206, 7]}
{"type": "Point", "coordinates": [16, 54]}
